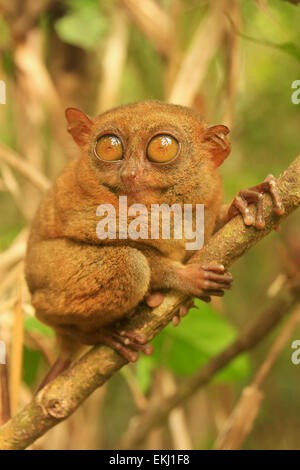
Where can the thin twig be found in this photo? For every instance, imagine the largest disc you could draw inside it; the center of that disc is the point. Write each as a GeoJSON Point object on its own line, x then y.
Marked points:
{"type": "Point", "coordinates": [233, 59]}
{"type": "Point", "coordinates": [138, 396]}
{"type": "Point", "coordinates": [14, 253]}
{"type": "Point", "coordinates": [202, 49]}
{"type": "Point", "coordinates": [153, 21]}
{"type": "Point", "coordinates": [176, 420]}
{"type": "Point", "coordinates": [17, 350]}
{"type": "Point", "coordinates": [112, 62]}
{"type": "Point", "coordinates": [24, 167]}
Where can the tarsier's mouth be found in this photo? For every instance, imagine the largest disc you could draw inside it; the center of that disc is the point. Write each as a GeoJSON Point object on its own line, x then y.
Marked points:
{"type": "Point", "coordinates": [123, 190]}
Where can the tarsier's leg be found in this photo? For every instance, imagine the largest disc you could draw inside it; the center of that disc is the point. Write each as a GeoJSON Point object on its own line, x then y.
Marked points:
{"type": "Point", "coordinates": [254, 195]}
{"type": "Point", "coordinates": [82, 291]}
{"type": "Point", "coordinates": [59, 366]}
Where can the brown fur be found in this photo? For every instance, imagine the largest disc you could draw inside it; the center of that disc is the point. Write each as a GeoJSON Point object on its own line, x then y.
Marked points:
{"type": "Point", "coordinates": [80, 283]}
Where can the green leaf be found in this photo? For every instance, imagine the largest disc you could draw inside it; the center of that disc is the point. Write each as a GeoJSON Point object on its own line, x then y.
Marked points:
{"type": "Point", "coordinates": [201, 335]}
{"type": "Point", "coordinates": [289, 48]}
{"type": "Point", "coordinates": [8, 236]}
{"type": "Point", "coordinates": [143, 372]}
{"type": "Point", "coordinates": [32, 323]}
{"type": "Point", "coordinates": [31, 362]}
{"type": "Point", "coordinates": [84, 26]}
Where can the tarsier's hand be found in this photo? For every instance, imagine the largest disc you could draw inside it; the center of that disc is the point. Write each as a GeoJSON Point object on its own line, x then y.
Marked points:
{"type": "Point", "coordinates": [203, 282]}
{"type": "Point", "coordinates": [254, 195]}
{"type": "Point", "coordinates": [206, 280]}
{"type": "Point", "coordinates": [196, 281]}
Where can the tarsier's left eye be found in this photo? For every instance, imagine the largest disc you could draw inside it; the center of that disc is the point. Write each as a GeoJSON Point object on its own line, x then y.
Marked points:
{"type": "Point", "coordinates": [162, 148]}
{"type": "Point", "coordinates": [109, 147]}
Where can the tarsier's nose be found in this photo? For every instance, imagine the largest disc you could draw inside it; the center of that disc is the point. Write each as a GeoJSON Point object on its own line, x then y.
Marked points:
{"type": "Point", "coordinates": [129, 176]}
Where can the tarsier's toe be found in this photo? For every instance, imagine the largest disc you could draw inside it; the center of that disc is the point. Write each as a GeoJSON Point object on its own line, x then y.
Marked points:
{"type": "Point", "coordinates": [154, 299]}
{"type": "Point", "coordinates": [269, 185]}
{"type": "Point", "coordinates": [214, 267]}
{"type": "Point", "coordinates": [215, 292]}
{"type": "Point", "coordinates": [216, 279]}
{"type": "Point", "coordinates": [278, 208]}
{"type": "Point", "coordinates": [212, 277]}
{"type": "Point", "coordinates": [182, 312]}
{"type": "Point", "coordinates": [259, 223]}
{"type": "Point", "coordinates": [207, 280]}
{"type": "Point", "coordinates": [248, 218]}
{"type": "Point", "coordinates": [136, 341]}
{"type": "Point", "coordinates": [128, 344]}
{"type": "Point", "coordinates": [205, 298]}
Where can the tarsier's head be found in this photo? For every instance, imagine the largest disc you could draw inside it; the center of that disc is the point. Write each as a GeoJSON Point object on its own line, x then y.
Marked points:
{"type": "Point", "coordinates": [148, 145]}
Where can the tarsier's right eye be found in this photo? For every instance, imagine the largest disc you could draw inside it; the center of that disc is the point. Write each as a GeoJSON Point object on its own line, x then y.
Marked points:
{"type": "Point", "coordinates": [109, 148]}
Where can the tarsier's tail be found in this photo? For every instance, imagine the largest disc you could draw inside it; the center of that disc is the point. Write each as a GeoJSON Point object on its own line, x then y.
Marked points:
{"type": "Point", "coordinates": [59, 366]}
{"type": "Point", "coordinates": [68, 350]}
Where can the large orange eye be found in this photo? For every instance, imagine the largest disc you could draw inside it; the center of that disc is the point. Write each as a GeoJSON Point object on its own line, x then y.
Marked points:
{"type": "Point", "coordinates": [162, 148]}
{"type": "Point", "coordinates": [109, 147]}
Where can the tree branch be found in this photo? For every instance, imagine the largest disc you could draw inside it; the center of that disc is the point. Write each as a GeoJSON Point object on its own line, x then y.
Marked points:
{"type": "Point", "coordinates": [60, 398]}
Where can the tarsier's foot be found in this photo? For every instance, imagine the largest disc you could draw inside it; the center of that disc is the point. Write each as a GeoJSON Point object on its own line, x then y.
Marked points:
{"type": "Point", "coordinates": [127, 344]}
{"type": "Point", "coordinates": [254, 195]}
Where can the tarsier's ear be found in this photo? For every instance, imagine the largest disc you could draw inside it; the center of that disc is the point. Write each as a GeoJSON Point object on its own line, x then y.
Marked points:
{"type": "Point", "coordinates": [219, 145]}
{"type": "Point", "coordinates": [79, 125]}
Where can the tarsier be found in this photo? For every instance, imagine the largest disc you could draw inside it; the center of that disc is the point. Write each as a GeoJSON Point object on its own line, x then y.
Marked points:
{"type": "Point", "coordinates": [151, 152]}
